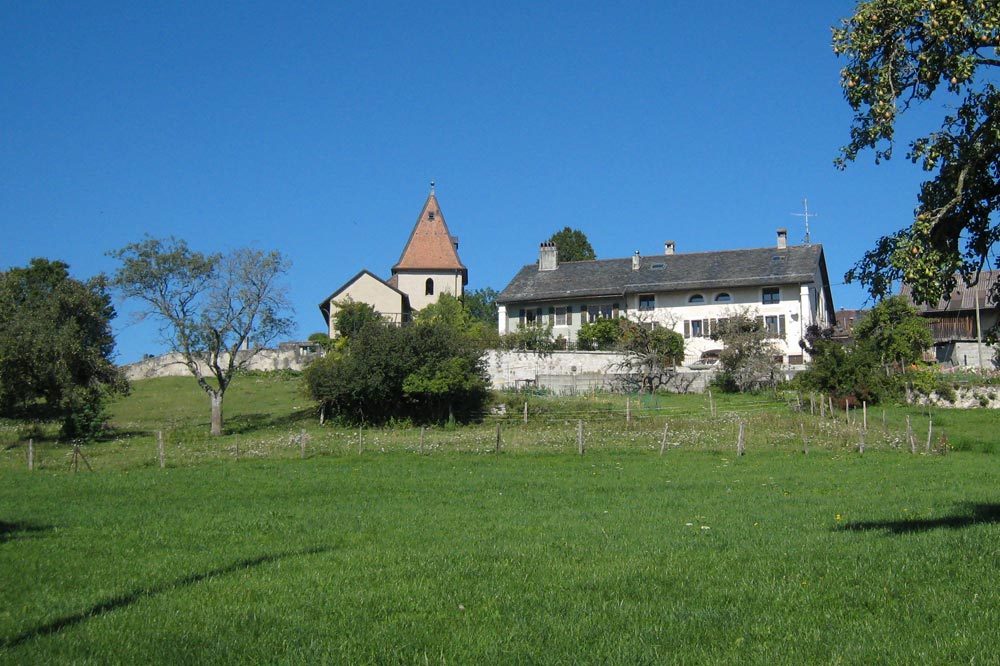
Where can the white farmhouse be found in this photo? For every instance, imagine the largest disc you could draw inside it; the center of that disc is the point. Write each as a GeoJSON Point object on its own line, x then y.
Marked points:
{"type": "Point", "coordinates": [787, 286]}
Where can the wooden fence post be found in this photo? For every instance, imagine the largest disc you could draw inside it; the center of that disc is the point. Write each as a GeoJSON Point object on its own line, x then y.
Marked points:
{"type": "Point", "coordinates": [909, 435]}
{"type": "Point", "coordinates": [302, 442]}
{"type": "Point", "coordinates": [711, 404]}
{"type": "Point", "coordinates": [812, 405]}
{"type": "Point", "coordinates": [832, 415]}
{"type": "Point", "coordinates": [579, 436]}
{"type": "Point", "coordinates": [499, 437]}
{"type": "Point", "coordinates": [864, 412]}
{"type": "Point", "coordinates": [236, 454]}
{"type": "Point", "coordinates": [822, 408]}
{"type": "Point", "coordinates": [31, 454]}
{"type": "Point", "coordinates": [526, 412]}
{"type": "Point", "coordinates": [740, 449]}
{"type": "Point", "coordinates": [422, 428]}
{"type": "Point", "coordinates": [805, 444]}
{"type": "Point", "coordinates": [361, 440]}
{"type": "Point", "coordinates": [628, 409]}
{"type": "Point", "coordinates": [663, 442]}
{"type": "Point", "coordinates": [930, 432]}
{"type": "Point", "coordinates": [159, 447]}
{"type": "Point", "coordinates": [861, 441]}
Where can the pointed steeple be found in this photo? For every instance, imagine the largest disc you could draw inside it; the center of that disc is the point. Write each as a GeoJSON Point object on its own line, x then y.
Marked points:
{"type": "Point", "coordinates": [431, 247]}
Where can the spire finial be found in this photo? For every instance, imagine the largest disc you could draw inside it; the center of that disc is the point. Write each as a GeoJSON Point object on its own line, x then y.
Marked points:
{"type": "Point", "coordinates": [432, 187]}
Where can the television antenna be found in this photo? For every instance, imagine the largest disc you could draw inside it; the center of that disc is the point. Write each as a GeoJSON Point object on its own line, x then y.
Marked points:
{"type": "Point", "coordinates": [807, 215]}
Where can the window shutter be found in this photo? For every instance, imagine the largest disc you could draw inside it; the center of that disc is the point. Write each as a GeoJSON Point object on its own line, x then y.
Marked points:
{"type": "Point", "coordinates": [687, 329]}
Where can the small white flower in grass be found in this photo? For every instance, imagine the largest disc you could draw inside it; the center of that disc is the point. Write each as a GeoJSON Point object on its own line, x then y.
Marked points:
{"type": "Point", "coordinates": [689, 524]}
{"type": "Point", "coordinates": [705, 527]}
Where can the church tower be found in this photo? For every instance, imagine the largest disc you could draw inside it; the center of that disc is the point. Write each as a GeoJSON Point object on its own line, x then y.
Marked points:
{"type": "Point", "coordinates": [429, 265]}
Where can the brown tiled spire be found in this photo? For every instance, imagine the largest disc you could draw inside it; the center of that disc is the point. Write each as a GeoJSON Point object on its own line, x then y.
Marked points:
{"type": "Point", "coordinates": [431, 246]}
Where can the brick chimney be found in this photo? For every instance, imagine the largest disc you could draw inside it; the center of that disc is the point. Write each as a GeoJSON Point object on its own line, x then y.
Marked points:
{"type": "Point", "coordinates": [668, 247]}
{"type": "Point", "coordinates": [782, 238]}
{"type": "Point", "coordinates": [548, 257]}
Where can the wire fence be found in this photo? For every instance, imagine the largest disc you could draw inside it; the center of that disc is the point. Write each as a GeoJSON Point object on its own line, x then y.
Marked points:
{"type": "Point", "coordinates": [796, 423]}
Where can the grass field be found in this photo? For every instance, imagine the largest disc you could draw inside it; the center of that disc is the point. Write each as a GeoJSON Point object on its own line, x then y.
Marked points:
{"type": "Point", "coordinates": [536, 555]}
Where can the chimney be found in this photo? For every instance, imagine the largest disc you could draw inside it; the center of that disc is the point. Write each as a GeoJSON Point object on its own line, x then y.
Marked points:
{"type": "Point", "coordinates": [635, 261]}
{"type": "Point", "coordinates": [782, 238]}
{"type": "Point", "coordinates": [668, 247]}
{"type": "Point", "coordinates": [548, 257]}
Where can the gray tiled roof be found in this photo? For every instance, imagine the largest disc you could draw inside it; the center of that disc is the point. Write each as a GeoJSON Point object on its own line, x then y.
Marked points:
{"type": "Point", "coordinates": [693, 270]}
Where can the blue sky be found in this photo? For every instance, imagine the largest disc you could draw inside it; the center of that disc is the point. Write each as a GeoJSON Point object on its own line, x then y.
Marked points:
{"type": "Point", "coordinates": [315, 128]}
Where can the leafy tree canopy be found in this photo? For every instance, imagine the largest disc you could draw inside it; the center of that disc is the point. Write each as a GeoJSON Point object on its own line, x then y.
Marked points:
{"type": "Point", "coordinates": [482, 305]}
{"type": "Point", "coordinates": [425, 372]}
{"type": "Point", "coordinates": [208, 306]}
{"type": "Point", "coordinates": [56, 346]}
{"type": "Point", "coordinates": [602, 334]}
{"type": "Point", "coordinates": [352, 316]}
{"type": "Point", "coordinates": [895, 332]}
{"type": "Point", "coordinates": [901, 53]}
{"type": "Point", "coordinates": [572, 245]}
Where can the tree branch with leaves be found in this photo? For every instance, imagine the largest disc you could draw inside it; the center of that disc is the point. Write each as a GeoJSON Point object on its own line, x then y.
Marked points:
{"type": "Point", "coordinates": [902, 53]}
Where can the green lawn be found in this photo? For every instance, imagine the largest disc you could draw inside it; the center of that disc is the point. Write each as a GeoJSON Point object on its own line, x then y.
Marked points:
{"type": "Point", "coordinates": [614, 557]}
{"type": "Point", "coordinates": [536, 555]}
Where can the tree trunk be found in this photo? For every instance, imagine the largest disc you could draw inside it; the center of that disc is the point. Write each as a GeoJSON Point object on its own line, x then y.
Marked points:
{"type": "Point", "coordinates": [216, 397]}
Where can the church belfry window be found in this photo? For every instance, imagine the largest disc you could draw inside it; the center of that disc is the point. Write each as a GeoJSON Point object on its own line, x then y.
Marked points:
{"type": "Point", "coordinates": [430, 215]}
{"type": "Point", "coordinates": [429, 287]}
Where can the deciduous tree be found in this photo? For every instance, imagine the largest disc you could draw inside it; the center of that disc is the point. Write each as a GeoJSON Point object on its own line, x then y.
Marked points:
{"type": "Point", "coordinates": [210, 307]}
{"type": "Point", "coordinates": [904, 53]}
{"type": "Point", "coordinates": [747, 359]}
{"type": "Point", "coordinates": [56, 346]}
{"type": "Point", "coordinates": [572, 245]}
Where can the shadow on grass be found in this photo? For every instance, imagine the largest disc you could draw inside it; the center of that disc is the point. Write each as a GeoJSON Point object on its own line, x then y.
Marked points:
{"type": "Point", "coordinates": [972, 514]}
{"type": "Point", "coordinates": [129, 598]}
{"type": "Point", "coordinates": [247, 423]}
{"type": "Point", "coordinates": [10, 531]}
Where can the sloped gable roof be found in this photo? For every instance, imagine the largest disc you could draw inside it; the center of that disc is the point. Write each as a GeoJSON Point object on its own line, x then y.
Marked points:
{"type": "Point", "coordinates": [430, 246]}
{"type": "Point", "coordinates": [674, 272]}
{"type": "Point", "coordinates": [324, 305]}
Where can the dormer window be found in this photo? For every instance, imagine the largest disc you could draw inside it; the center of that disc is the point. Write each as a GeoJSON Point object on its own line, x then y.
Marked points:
{"type": "Point", "coordinates": [723, 298]}
{"type": "Point", "coordinates": [697, 298]}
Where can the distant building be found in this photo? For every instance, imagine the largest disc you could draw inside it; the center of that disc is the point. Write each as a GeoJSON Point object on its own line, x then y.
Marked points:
{"type": "Point", "coordinates": [953, 322]}
{"type": "Point", "coordinates": [428, 267]}
{"type": "Point", "coordinates": [786, 286]}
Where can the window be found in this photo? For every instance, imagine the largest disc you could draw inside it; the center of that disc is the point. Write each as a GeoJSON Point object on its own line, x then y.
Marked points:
{"type": "Point", "coordinates": [647, 302]}
{"type": "Point", "coordinates": [697, 298]}
{"type": "Point", "coordinates": [430, 215]}
{"type": "Point", "coordinates": [696, 328]}
{"type": "Point", "coordinates": [723, 298]}
{"type": "Point", "coordinates": [560, 316]}
{"type": "Point", "coordinates": [592, 311]}
{"type": "Point", "coordinates": [607, 312]}
{"type": "Point", "coordinates": [770, 295]}
{"type": "Point", "coordinates": [775, 325]}
{"type": "Point", "coordinates": [429, 287]}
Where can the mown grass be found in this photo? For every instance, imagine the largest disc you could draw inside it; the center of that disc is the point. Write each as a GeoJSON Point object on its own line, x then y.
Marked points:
{"type": "Point", "coordinates": [613, 557]}
{"type": "Point", "coordinates": [536, 555]}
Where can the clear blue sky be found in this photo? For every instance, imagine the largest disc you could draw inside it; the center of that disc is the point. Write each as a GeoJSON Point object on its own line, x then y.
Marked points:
{"type": "Point", "coordinates": [315, 128]}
